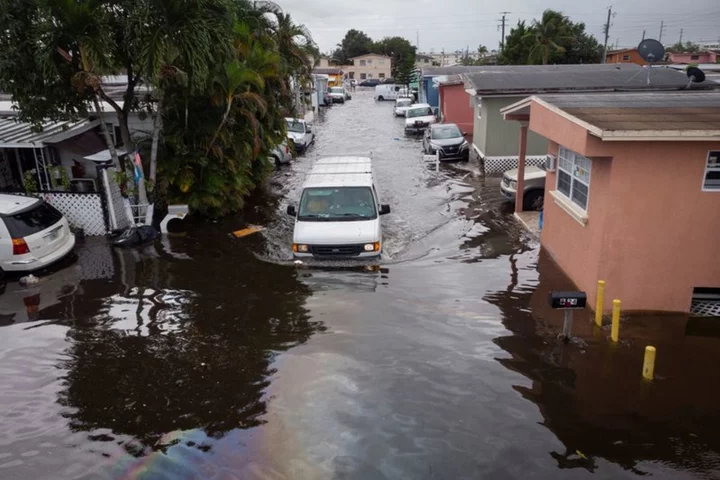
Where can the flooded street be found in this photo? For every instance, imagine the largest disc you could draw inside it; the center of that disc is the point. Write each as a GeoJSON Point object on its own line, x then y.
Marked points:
{"type": "Point", "coordinates": [211, 357]}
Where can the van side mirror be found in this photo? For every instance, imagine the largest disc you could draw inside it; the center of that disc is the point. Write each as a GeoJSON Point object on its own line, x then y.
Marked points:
{"type": "Point", "coordinates": [384, 209]}
{"type": "Point", "coordinates": [291, 210]}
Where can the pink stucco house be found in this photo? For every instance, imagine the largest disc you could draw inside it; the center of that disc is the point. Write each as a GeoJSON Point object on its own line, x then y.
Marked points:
{"type": "Point", "coordinates": [632, 193]}
{"type": "Point", "coordinates": [454, 104]}
{"type": "Point", "coordinates": [697, 57]}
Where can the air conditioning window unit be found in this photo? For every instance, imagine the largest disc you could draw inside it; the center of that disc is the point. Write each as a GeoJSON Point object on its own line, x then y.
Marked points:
{"type": "Point", "coordinates": [550, 162]}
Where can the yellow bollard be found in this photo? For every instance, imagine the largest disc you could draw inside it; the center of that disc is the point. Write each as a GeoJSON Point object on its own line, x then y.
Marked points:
{"type": "Point", "coordinates": [615, 332]}
{"type": "Point", "coordinates": [599, 303]}
{"type": "Point", "coordinates": [649, 363]}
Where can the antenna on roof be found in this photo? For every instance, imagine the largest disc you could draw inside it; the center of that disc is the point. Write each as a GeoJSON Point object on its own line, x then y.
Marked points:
{"type": "Point", "coordinates": [651, 51]}
{"type": "Point", "coordinates": [695, 75]}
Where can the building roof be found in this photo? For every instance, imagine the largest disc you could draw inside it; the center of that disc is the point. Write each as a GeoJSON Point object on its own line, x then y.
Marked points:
{"type": "Point", "coordinates": [328, 71]}
{"type": "Point", "coordinates": [370, 55]}
{"type": "Point", "coordinates": [656, 116]}
{"type": "Point", "coordinates": [17, 134]}
{"type": "Point", "coordinates": [621, 50]}
{"type": "Point", "coordinates": [525, 79]}
{"type": "Point", "coordinates": [432, 71]}
{"type": "Point", "coordinates": [451, 80]}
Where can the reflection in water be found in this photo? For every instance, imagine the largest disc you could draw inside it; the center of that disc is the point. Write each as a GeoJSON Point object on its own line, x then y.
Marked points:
{"type": "Point", "coordinates": [148, 361]}
{"type": "Point", "coordinates": [591, 395]}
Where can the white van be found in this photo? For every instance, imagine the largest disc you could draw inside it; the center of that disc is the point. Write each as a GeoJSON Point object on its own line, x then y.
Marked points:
{"type": "Point", "coordinates": [390, 91]}
{"type": "Point", "coordinates": [339, 212]}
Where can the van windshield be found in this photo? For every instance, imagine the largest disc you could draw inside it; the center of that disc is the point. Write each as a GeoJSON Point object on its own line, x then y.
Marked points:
{"type": "Point", "coordinates": [33, 220]}
{"type": "Point", "coordinates": [420, 112]}
{"type": "Point", "coordinates": [337, 204]}
{"type": "Point", "coordinates": [296, 127]}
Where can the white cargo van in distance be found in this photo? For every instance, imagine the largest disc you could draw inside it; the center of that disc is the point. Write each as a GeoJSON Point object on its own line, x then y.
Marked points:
{"type": "Point", "coordinates": [390, 91]}
{"type": "Point", "coordinates": [338, 216]}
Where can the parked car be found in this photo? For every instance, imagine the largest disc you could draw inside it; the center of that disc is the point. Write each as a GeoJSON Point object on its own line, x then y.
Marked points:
{"type": "Point", "coordinates": [447, 140]}
{"type": "Point", "coordinates": [371, 82]}
{"type": "Point", "coordinates": [281, 154]}
{"type": "Point", "coordinates": [534, 187]}
{"type": "Point", "coordinates": [401, 106]}
{"type": "Point", "coordinates": [418, 117]}
{"type": "Point", "coordinates": [337, 94]}
{"type": "Point", "coordinates": [299, 133]}
{"type": "Point", "coordinates": [33, 234]}
{"type": "Point", "coordinates": [338, 216]}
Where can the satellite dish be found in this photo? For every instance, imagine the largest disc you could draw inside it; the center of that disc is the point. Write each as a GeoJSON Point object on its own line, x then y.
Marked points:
{"type": "Point", "coordinates": [695, 75]}
{"type": "Point", "coordinates": [651, 50]}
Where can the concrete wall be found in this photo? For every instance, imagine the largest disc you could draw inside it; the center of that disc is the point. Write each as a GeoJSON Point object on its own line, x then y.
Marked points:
{"type": "Point", "coordinates": [455, 107]}
{"type": "Point", "coordinates": [496, 137]}
{"type": "Point", "coordinates": [375, 65]}
{"type": "Point", "coordinates": [651, 231]}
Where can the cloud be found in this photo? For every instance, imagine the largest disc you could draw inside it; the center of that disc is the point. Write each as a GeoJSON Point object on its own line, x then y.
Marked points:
{"type": "Point", "coordinates": [457, 24]}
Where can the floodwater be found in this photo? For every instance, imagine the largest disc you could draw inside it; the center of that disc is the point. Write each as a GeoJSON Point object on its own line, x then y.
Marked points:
{"type": "Point", "coordinates": [206, 356]}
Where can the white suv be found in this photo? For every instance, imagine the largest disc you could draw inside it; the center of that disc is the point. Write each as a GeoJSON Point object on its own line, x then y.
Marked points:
{"type": "Point", "coordinates": [33, 234]}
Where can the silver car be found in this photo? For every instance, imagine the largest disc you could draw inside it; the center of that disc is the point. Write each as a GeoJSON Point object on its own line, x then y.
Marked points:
{"type": "Point", "coordinates": [281, 154]}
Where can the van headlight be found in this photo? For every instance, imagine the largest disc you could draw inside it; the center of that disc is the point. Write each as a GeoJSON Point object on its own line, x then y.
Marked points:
{"type": "Point", "coordinates": [372, 247]}
{"type": "Point", "coordinates": [300, 248]}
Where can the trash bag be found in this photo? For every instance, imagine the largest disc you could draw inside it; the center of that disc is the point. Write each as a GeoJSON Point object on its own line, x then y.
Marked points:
{"type": "Point", "coordinates": [134, 237]}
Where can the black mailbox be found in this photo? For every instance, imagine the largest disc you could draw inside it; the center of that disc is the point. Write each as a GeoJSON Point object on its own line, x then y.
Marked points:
{"type": "Point", "coordinates": [568, 300]}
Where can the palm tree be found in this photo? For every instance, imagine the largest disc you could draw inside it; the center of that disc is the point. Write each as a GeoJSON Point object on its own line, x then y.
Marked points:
{"type": "Point", "coordinates": [180, 41]}
{"type": "Point", "coordinates": [548, 35]}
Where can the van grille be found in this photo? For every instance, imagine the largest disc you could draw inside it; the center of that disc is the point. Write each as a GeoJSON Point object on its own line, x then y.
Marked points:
{"type": "Point", "coordinates": [336, 250]}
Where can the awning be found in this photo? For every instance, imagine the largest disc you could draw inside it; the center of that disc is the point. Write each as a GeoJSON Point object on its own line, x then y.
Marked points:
{"type": "Point", "coordinates": [104, 155]}
{"type": "Point", "coordinates": [16, 134]}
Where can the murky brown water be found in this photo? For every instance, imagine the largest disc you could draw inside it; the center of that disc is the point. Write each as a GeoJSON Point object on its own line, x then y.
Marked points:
{"type": "Point", "coordinates": [207, 356]}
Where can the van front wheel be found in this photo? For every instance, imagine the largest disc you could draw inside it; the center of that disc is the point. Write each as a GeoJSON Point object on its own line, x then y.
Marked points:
{"type": "Point", "coordinates": [381, 98]}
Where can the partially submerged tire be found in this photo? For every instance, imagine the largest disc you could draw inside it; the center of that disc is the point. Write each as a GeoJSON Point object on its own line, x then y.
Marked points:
{"type": "Point", "coordinates": [534, 200]}
{"type": "Point", "coordinates": [381, 98]}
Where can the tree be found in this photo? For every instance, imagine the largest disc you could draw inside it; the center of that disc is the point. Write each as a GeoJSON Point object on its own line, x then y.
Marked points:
{"type": "Point", "coordinates": [549, 34]}
{"type": "Point", "coordinates": [354, 44]}
{"type": "Point", "coordinates": [553, 39]}
{"type": "Point", "coordinates": [402, 54]}
{"type": "Point", "coordinates": [687, 47]}
{"type": "Point", "coordinates": [518, 45]}
{"type": "Point", "coordinates": [220, 73]}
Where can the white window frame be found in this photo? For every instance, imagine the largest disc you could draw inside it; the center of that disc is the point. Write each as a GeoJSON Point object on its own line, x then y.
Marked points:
{"type": "Point", "coordinates": [478, 104]}
{"type": "Point", "coordinates": [569, 155]}
{"type": "Point", "coordinates": [708, 168]}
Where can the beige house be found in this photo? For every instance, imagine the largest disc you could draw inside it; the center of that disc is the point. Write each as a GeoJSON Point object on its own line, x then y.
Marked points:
{"type": "Point", "coordinates": [369, 66]}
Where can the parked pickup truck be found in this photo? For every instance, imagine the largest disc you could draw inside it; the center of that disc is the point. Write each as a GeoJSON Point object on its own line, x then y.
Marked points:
{"type": "Point", "coordinates": [534, 188]}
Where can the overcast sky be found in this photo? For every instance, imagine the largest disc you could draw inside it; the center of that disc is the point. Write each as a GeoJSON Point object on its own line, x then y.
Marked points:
{"type": "Point", "coordinates": [455, 24]}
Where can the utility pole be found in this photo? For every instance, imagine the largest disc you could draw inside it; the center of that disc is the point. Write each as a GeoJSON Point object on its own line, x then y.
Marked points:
{"type": "Point", "coordinates": [607, 34]}
{"type": "Point", "coordinates": [502, 25]}
{"type": "Point", "coordinates": [681, 32]}
{"type": "Point", "coordinates": [417, 40]}
{"type": "Point", "coordinates": [643, 35]}
{"type": "Point", "coordinates": [662, 27]}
